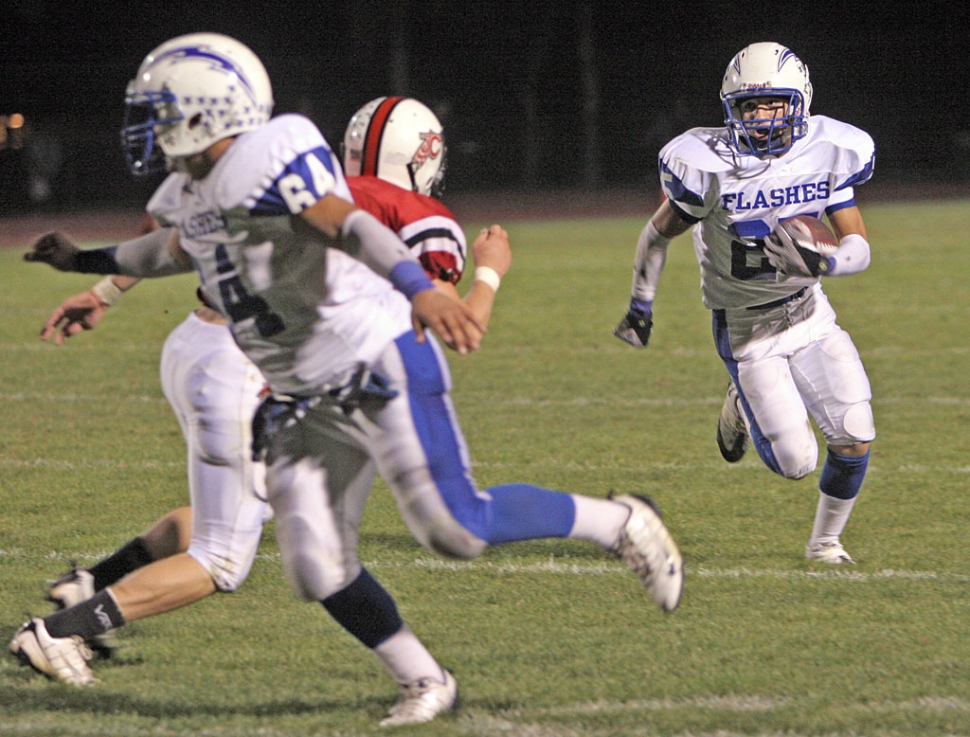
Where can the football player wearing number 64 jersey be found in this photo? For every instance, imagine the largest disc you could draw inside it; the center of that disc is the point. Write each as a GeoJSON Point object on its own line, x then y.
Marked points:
{"type": "Point", "coordinates": [263, 213]}
{"type": "Point", "coordinates": [773, 325]}
{"type": "Point", "coordinates": [209, 545]}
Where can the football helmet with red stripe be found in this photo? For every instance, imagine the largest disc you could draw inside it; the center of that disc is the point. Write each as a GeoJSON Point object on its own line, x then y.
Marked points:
{"type": "Point", "coordinates": [399, 140]}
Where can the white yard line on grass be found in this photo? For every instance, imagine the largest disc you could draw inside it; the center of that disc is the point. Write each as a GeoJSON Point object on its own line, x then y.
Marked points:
{"type": "Point", "coordinates": [572, 401]}
{"type": "Point", "coordinates": [62, 465]}
{"type": "Point", "coordinates": [596, 569]}
{"type": "Point", "coordinates": [559, 567]}
{"type": "Point", "coordinates": [96, 398]}
{"type": "Point", "coordinates": [747, 465]}
{"type": "Point", "coordinates": [744, 466]}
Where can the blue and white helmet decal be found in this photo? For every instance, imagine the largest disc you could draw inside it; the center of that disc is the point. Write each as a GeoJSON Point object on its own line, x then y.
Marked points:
{"type": "Point", "coordinates": [766, 70]}
{"type": "Point", "coordinates": [189, 93]}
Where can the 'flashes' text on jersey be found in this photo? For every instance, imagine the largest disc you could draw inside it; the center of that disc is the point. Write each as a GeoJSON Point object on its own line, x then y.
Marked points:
{"type": "Point", "coordinates": [777, 197]}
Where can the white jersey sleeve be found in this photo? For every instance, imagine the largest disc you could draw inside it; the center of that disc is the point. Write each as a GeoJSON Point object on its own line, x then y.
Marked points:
{"type": "Point", "coordinates": [302, 169]}
{"type": "Point", "coordinates": [736, 200]}
{"type": "Point", "coordinates": [688, 171]}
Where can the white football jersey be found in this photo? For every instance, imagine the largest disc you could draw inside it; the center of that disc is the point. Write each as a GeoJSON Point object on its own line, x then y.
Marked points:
{"type": "Point", "coordinates": [737, 200]}
{"type": "Point", "coordinates": [305, 314]}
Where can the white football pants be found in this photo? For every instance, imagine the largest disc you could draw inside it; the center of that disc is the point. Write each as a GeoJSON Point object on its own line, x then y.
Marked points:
{"type": "Point", "coordinates": [790, 361]}
{"type": "Point", "coordinates": [321, 468]}
{"type": "Point", "coordinates": [214, 390]}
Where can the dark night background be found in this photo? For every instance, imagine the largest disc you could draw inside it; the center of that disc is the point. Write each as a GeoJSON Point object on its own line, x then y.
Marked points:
{"type": "Point", "coordinates": [575, 96]}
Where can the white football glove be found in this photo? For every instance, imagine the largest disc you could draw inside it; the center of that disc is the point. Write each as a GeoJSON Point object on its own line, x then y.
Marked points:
{"type": "Point", "coordinates": [793, 258]}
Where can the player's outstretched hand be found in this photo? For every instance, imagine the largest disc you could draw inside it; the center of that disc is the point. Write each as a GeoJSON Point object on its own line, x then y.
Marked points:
{"type": "Point", "coordinates": [491, 248]}
{"type": "Point", "coordinates": [55, 249]}
{"type": "Point", "coordinates": [447, 316]}
{"type": "Point", "coordinates": [76, 314]}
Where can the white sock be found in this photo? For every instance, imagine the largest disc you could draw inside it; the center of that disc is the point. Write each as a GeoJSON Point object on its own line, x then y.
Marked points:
{"type": "Point", "coordinates": [598, 520]}
{"type": "Point", "coordinates": [831, 516]}
{"type": "Point", "coordinates": [407, 658]}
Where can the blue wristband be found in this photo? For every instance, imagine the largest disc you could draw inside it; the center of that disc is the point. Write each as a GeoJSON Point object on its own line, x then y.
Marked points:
{"type": "Point", "coordinates": [640, 306]}
{"type": "Point", "coordinates": [409, 278]}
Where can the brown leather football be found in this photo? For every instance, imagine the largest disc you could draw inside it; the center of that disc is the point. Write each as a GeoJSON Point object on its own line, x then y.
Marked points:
{"type": "Point", "coordinates": [810, 232]}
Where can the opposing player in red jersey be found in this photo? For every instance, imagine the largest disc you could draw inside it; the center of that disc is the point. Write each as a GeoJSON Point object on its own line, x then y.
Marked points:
{"type": "Point", "coordinates": [394, 158]}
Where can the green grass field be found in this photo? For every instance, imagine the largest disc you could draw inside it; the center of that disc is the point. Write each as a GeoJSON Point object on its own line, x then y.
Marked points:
{"type": "Point", "coordinates": [547, 639]}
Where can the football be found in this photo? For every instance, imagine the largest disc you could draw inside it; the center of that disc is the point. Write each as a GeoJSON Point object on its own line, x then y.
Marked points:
{"type": "Point", "coordinates": [810, 232]}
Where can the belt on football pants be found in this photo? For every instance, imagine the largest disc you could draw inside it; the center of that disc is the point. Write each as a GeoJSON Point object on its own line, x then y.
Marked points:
{"type": "Point", "coordinates": [779, 302]}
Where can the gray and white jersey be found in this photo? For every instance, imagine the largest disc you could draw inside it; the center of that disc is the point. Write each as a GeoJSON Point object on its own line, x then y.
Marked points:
{"type": "Point", "coordinates": [304, 313]}
{"type": "Point", "coordinates": [736, 201]}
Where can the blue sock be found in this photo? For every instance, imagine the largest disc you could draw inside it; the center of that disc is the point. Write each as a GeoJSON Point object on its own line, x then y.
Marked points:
{"type": "Point", "coordinates": [842, 476]}
{"type": "Point", "coordinates": [524, 512]}
{"type": "Point", "coordinates": [365, 610]}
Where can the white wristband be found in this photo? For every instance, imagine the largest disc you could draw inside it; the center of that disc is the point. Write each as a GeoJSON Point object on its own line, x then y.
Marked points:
{"type": "Point", "coordinates": [488, 275]}
{"type": "Point", "coordinates": [107, 291]}
{"type": "Point", "coordinates": [851, 257]}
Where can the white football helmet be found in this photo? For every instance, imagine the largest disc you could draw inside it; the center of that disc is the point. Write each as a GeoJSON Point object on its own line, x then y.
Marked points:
{"type": "Point", "coordinates": [397, 139]}
{"type": "Point", "coordinates": [190, 92]}
{"type": "Point", "coordinates": [766, 70]}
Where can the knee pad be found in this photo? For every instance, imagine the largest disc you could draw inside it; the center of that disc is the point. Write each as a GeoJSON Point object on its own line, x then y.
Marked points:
{"type": "Point", "coordinates": [797, 459]}
{"type": "Point", "coordinates": [429, 518]}
{"type": "Point", "coordinates": [316, 565]}
{"type": "Point", "coordinates": [448, 538]}
{"type": "Point", "coordinates": [800, 473]}
{"type": "Point", "coordinates": [313, 580]}
{"type": "Point", "coordinates": [858, 425]}
{"type": "Point", "coordinates": [794, 457]}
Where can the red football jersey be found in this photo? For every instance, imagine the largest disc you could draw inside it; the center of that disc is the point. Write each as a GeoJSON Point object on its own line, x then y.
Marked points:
{"type": "Point", "coordinates": [424, 223]}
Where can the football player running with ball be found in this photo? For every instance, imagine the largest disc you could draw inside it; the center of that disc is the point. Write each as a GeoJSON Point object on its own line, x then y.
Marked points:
{"type": "Point", "coordinates": [333, 308]}
{"type": "Point", "coordinates": [773, 326]}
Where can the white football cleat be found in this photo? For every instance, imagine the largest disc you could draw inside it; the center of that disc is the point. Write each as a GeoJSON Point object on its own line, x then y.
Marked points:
{"type": "Point", "coordinates": [732, 433]}
{"type": "Point", "coordinates": [59, 658]}
{"type": "Point", "coordinates": [832, 553]}
{"type": "Point", "coordinates": [74, 587]}
{"type": "Point", "coordinates": [423, 700]}
{"type": "Point", "coordinates": [647, 548]}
